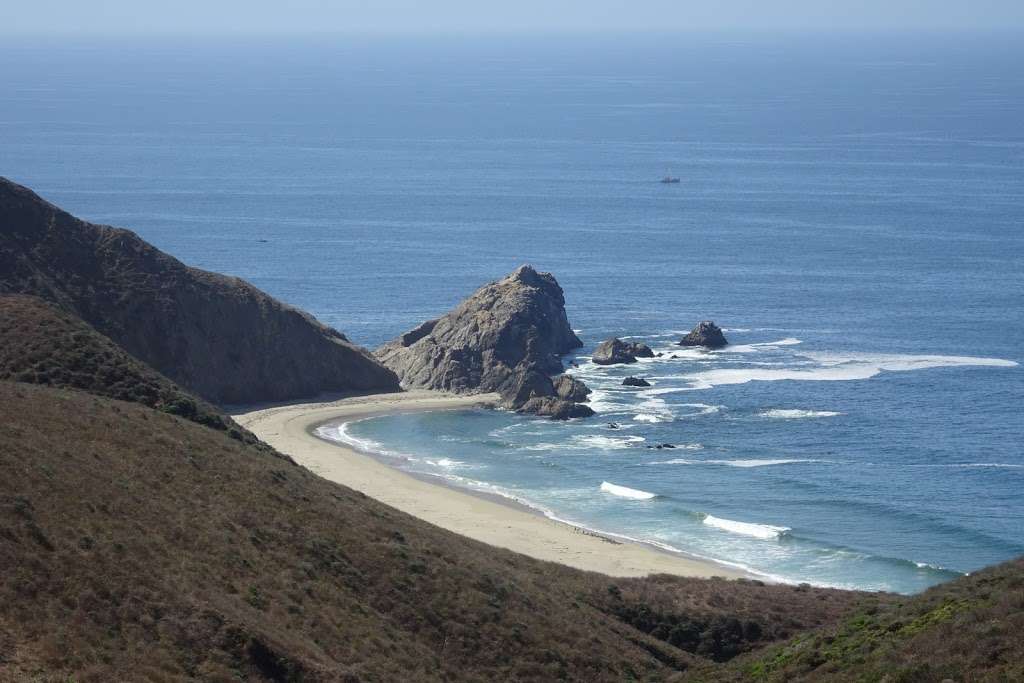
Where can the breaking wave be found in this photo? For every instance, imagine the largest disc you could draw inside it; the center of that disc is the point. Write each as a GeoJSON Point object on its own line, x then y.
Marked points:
{"type": "Point", "coordinates": [626, 492]}
{"type": "Point", "coordinates": [765, 531]}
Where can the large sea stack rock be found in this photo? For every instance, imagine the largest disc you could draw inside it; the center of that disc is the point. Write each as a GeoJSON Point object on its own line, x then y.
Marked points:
{"type": "Point", "coordinates": [707, 334]}
{"type": "Point", "coordinates": [217, 336]}
{"type": "Point", "coordinates": [616, 351]}
{"type": "Point", "coordinates": [507, 337]}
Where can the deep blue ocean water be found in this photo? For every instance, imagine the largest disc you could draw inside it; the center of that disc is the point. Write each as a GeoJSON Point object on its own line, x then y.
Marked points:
{"type": "Point", "coordinates": [851, 210]}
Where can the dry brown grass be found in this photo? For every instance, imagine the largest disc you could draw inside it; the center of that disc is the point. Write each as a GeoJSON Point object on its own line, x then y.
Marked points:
{"type": "Point", "coordinates": [136, 545]}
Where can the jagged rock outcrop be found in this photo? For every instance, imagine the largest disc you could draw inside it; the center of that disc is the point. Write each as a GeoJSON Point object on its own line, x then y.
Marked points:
{"type": "Point", "coordinates": [569, 388]}
{"type": "Point", "coordinates": [217, 336]}
{"type": "Point", "coordinates": [707, 334]}
{"type": "Point", "coordinates": [635, 382]}
{"type": "Point", "coordinates": [615, 351]}
{"type": "Point", "coordinates": [507, 337]}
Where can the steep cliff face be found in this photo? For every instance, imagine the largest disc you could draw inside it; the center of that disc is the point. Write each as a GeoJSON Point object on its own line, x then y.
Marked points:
{"type": "Point", "coordinates": [217, 336]}
{"type": "Point", "coordinates": [507, 337]}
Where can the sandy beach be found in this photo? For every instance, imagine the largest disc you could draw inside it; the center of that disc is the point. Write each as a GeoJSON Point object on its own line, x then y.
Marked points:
{"type": "Point", "coordinates": [290, 430]}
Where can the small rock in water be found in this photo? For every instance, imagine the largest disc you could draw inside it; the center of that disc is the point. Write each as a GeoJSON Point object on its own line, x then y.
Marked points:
{"type": "Point", "coordinates": [614, 351]}
{"type": "Point", "coordinates": [706, 334]}
{"type": "Point", "coordinates": [635, 382]}
{"type": "Point", "coordinates": [613, 425]}
{"type": "Point", "coordinates": [555, 408]}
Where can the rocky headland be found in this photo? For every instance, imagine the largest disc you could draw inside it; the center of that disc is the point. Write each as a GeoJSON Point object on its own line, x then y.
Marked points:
{"type": "Point", "coordinates": [508, 337]}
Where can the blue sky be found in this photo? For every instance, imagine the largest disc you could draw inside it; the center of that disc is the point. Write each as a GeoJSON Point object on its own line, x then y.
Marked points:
{"type": "Point", "coordinates": [481, 16]}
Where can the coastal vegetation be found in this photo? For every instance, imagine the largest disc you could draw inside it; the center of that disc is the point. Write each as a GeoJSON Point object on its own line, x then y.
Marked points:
{"type": "Point", "coordinates": [135, 541]}
{"type": "Point", "coordinates": [144, 535]}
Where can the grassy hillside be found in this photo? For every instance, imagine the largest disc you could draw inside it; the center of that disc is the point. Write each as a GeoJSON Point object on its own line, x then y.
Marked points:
{"type": "Point", "coordinates": [42, 344]}
{"type": "Point", "coordinates": [969, 630]}
{"type": "Point", "coordinates": [218, 337]}
{"type": "Point", "coordinates": [135, 542]}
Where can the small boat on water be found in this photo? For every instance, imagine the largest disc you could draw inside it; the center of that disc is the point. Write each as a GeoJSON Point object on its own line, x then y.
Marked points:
{"type": "Point", "coordinates": [669, 180]}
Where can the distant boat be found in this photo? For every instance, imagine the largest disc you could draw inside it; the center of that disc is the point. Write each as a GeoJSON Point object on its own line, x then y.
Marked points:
{"type": "Point", "coordinates": [669, 180]}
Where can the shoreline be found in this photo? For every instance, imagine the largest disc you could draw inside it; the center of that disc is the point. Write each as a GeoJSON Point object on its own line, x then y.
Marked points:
{"type": "Point", "coordinates": [489, 518]}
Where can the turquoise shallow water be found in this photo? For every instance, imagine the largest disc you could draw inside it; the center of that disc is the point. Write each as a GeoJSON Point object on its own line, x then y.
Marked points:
{"type": "Point", "coordinates": [851, 211]}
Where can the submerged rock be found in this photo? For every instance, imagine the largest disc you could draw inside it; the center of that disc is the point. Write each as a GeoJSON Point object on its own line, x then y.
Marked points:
{"type": "Point", "coordinates": [706, 334]}
{"type": "Point", "coordinates": [570, 389]}
{"type": "Point", "coordinates": [507, 338]}
{"type": "Point", "coordinates": [635, 382]}
{"type": "Point", "coordinates": [615, 351]}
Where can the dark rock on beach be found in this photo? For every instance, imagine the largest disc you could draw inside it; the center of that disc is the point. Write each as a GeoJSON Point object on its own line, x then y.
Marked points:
{"type": "Point", "coordinates": [635, 382]}
{"type": "Point", "coordinates": [216, 336]}
{"type": "Point", "coordinates": [506, 338]}
{"type": "Point", "coordinates": [615, 351]}
{"type": "Point", "coordinates": [706, 334]}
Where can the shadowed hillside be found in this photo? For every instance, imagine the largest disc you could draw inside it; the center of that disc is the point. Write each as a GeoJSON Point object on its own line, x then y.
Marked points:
{"type": "Point", "coordinates": [42, 344]}
{"type": "Point", "coordinates": [217, 336]}
{"type": "Point", "coordinates": [134, 541]}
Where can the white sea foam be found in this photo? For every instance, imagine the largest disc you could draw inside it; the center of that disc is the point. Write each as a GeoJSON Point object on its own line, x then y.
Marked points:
{"type": "Point", "coordinates": [765, 531]}
{"type": "Point", "coordinates": [625, 492]}
{"type": "Point", "coordinates": [340, 433]}
{"type": "Point", "coordinates": [653, 409]}
{"type": "Point", "coordinates": [607, 442]}
{"type": "Point", "coordinates": [788, 341]}
{"type": "Point", "coordinates": [838, 367]}
{"type": "Point", "coordinates": [584, 442]}
{"type": "Point", "coordinates": [449, 464]}
{"type": "Point", "coordinates": [665, 546]}
{"type": "Point", "coordinates": [661, 391]}
{"type": "Point", "coordinates": [603, 401]}
{"type": "Point", "coordinates": [794, 414]}
{"type": "Point", "coordinates": [761, 462]}
{"type": "Point", "coordinates": [754, 348]}
{"type": "Point", "coordinates": [905, 362]}
{"type": "Point", "coordinates": [701, 409]}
